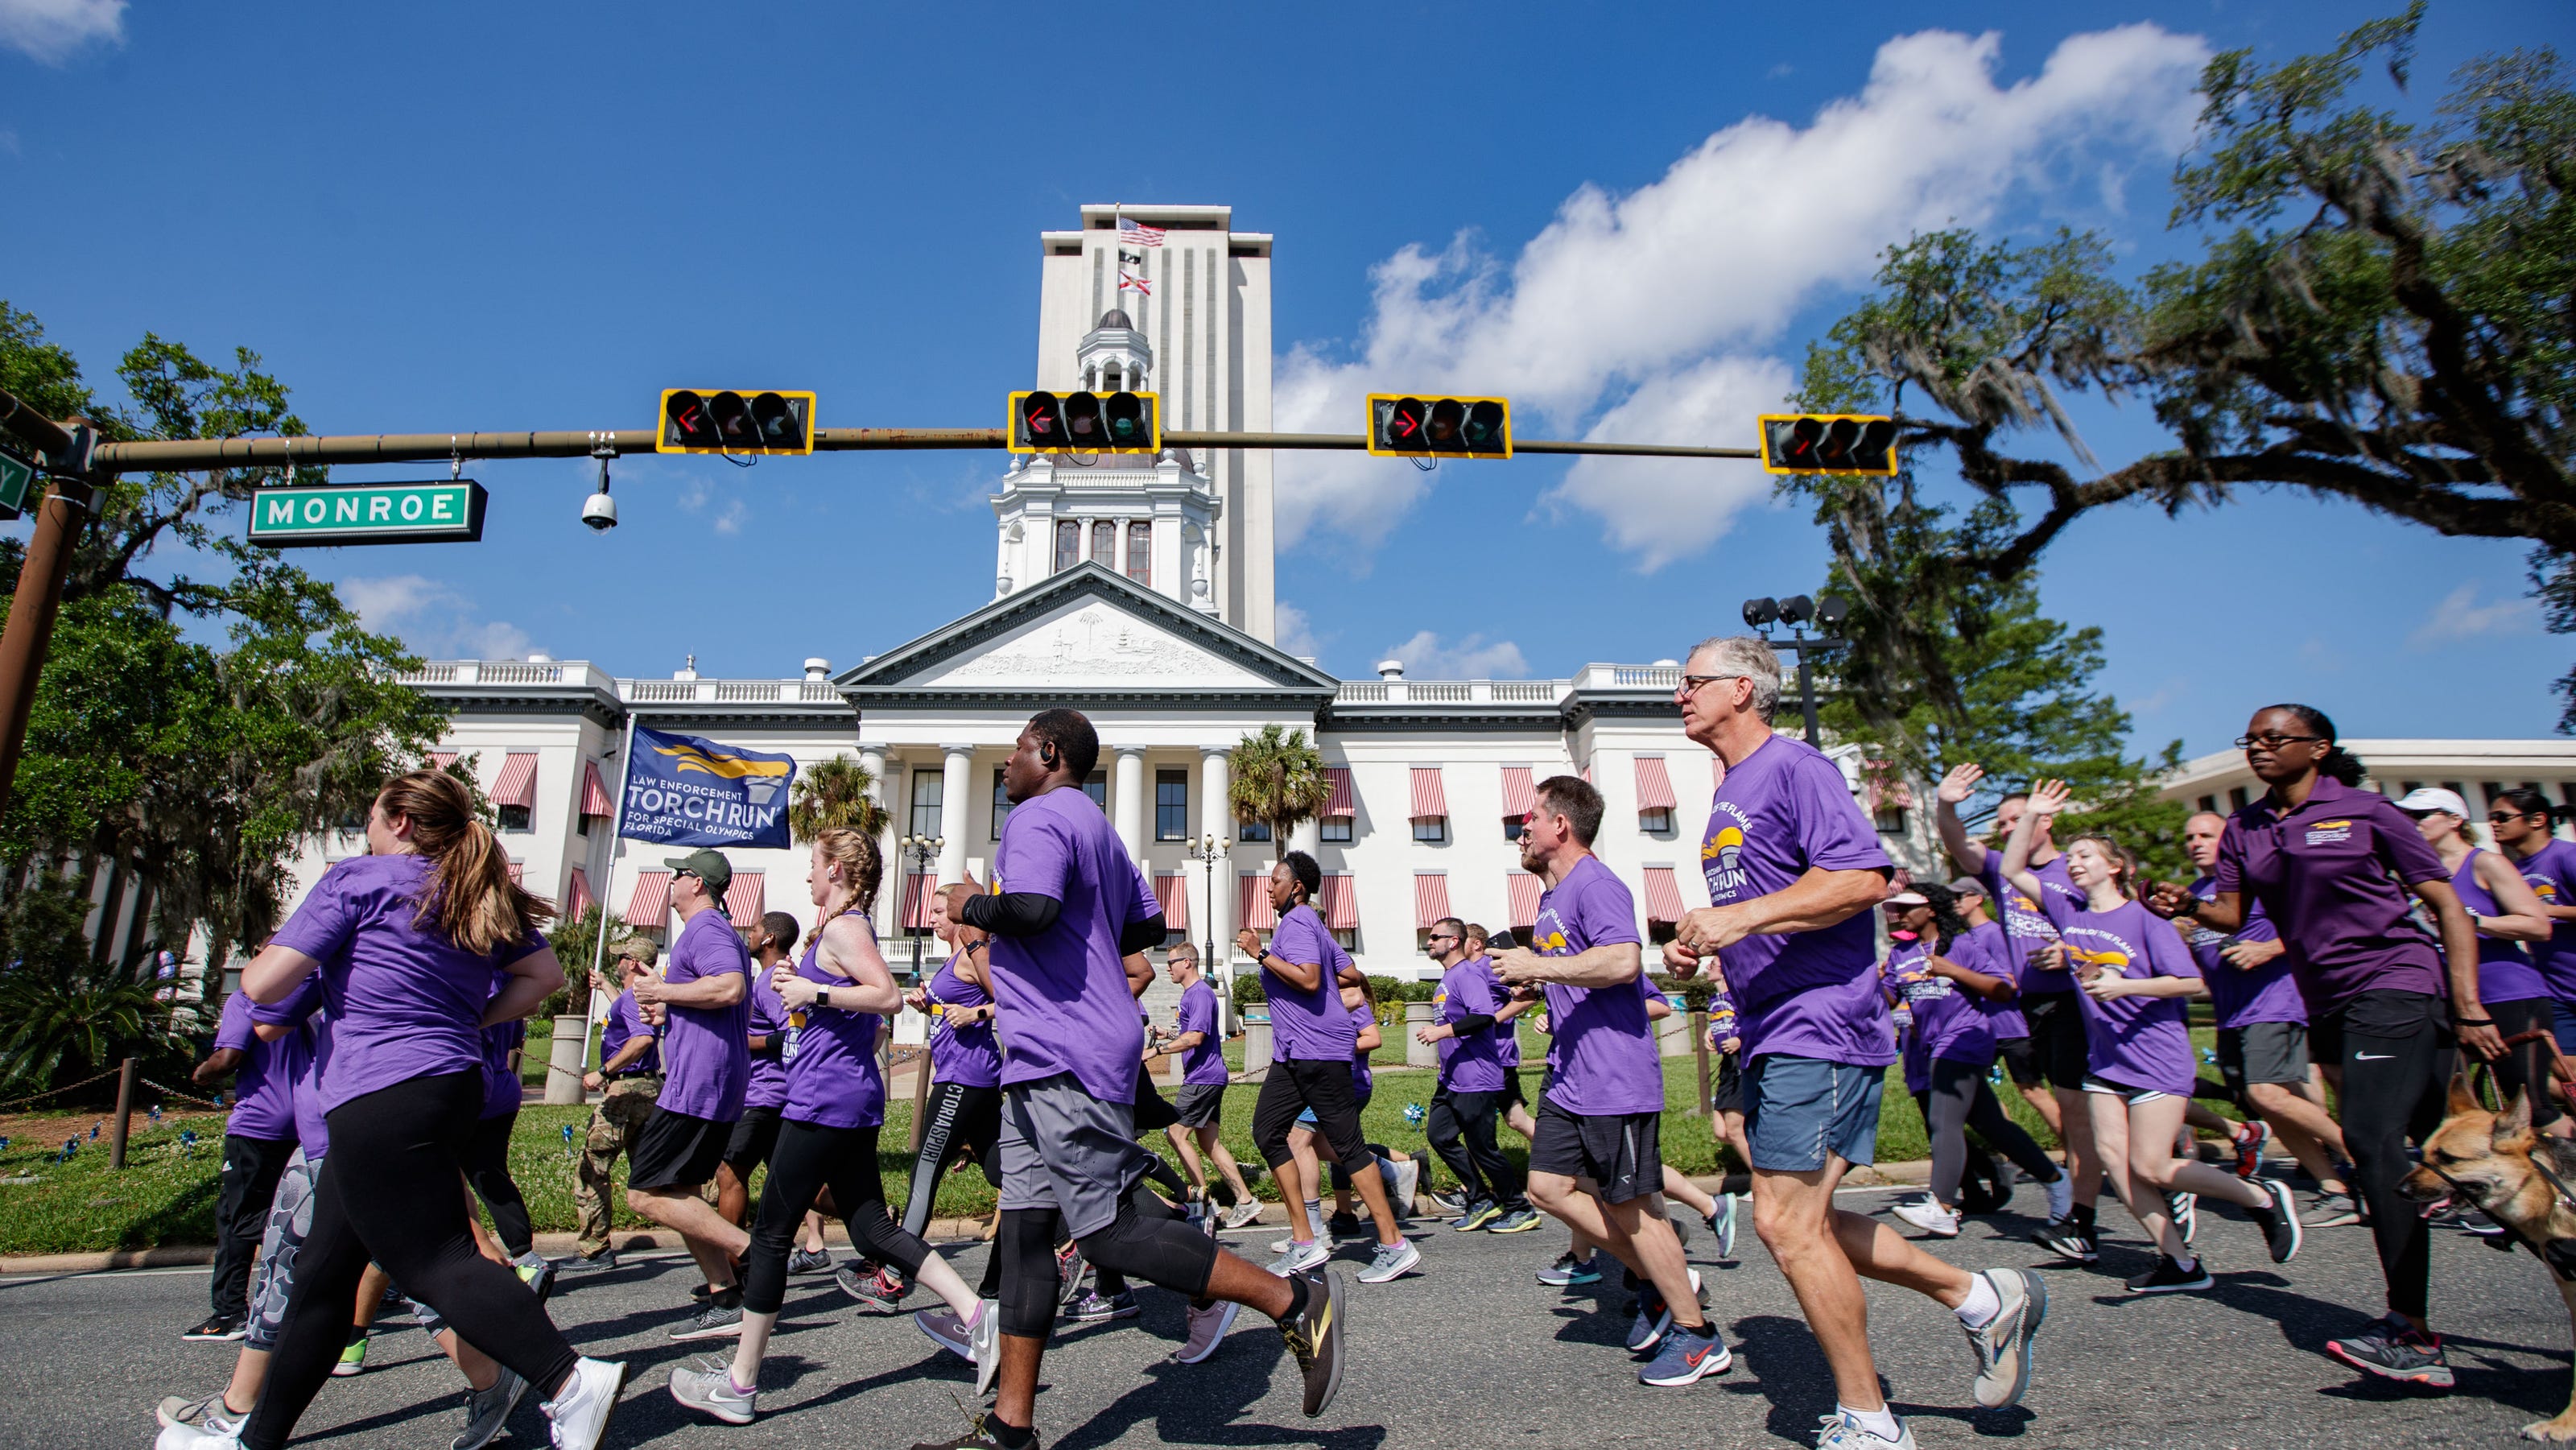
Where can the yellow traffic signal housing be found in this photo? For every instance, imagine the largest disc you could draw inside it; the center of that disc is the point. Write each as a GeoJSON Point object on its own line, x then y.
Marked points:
{"type": "Point", "coordinates": [711, 420]}
{"type": "Point", "coordinates": [1828, 443]}
{"type": "Point", "coordinates": [1045, 422]}
{"type": "Point", "coordinates": [1408, 427]}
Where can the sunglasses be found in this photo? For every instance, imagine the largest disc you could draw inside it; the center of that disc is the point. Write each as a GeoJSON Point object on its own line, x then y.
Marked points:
{"type": "Point", "coordinates": [2500, 817]}
{"type": "Point", "coordinates": [2275, 742]}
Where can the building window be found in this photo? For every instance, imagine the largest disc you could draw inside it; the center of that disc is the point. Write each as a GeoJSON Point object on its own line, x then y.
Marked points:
{"type": "Point", "coordinates": [1430, 829]}
{"type": "Point", "coordinates": [1095, 786]}
{"type": "Point", "coordinates": [580, 824]}
{"type": "Point", "coordinates": [1251, 831]}
{"type": "Point", "coordinates": [2209, 803]}
{"type": "Point", "coordinates": [926, 787]}
{"type": "Point", "coordinates": [1659, 821]}
{"type": "Point", "coordinates": [1337, 828]}
{"type": "Point", "coordinates": [1171, 805]}
{"type": "Point", "coordinates": [2457, 789]}
{"type": "Point", "coordinates": [1347, 937]}
{"type": "Point", "coordinates": [1140, 553]}
{"type": "Point", "coordinates": [1001, 803]}
{"type": "Point", "coordinates": [1104, 544]}
{"type": "Point", "coordinates": [1890, 820]}
{"type": "Point", "coordinates": [1068, 545]}
{"type": "Point", "coordinates": [2236, 797]}
{"type": "Point", "coordinates": [1512, 826]}
{"type": "Point", "coordinates": [516, 818]}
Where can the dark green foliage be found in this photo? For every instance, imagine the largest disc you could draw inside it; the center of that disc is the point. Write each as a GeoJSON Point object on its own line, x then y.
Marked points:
{"type": "Point", "coordinates": [64, 1016]}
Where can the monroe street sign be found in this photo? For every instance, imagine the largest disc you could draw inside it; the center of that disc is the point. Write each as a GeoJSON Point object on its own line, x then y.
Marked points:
{"type": "Point", "coordinates": [429, 512]}
{"type": "Point", "coordinates": [16, 477]}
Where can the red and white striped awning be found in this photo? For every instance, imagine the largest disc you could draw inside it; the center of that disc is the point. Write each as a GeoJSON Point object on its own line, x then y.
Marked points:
{"type": "Point", "coordinates": [518, 783]}
{"type": "Point", "coordinates": [1663, 895]}
{"type": "Point", "coordinates": [441, 759]}
{"type": "Point", "coordinates": [1654, 787]}
{"type": "Point", "coordinates": [577, 897]}
{"type": "Point", "coordinates": [518, 873]}
{"type": "Point", "coordinates": [1252, 902]}
{"type": "Point", "coordinates": [916, 899]}
{"type": "Point", "coordinates": [1523, 890]}
{"type": "Point", "coordinates": [746, 898]}
{"type": "Point", "coordinates": [1340, 904]}
{"type": "Point", "coordinates": [648, 906]}
{"type": "Point", "coordinates": [1429, 799]}
{"type": "Point", "coordinates": [595, 800]}
{"type": "Point", "coordinates": [1430, 898]}
{"type": "Point", "coordinates": [1173, 893]}
{"type": "Point", "coordinates": [1345, 801]}
{"type": "Point", "coordinates": [1520, 794]}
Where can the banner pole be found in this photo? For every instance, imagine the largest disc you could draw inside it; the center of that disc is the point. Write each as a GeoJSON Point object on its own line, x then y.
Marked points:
{"type": "Point", "coordinates": [608, 886]}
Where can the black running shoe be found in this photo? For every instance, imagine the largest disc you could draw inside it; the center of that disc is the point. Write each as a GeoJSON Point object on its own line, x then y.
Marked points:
{"type": "Point", "coordinates": [2280, 1222]}
{"type": "Point", "coordinates": [979, 1436]}
{"type": "Point", "coordinates": [2170, 1277]}
{"type": "Point", "coordinates": [1316, 1337]}
{"type": "Point", "coordinates": [2069, 1239]}
{"type": "Point", "coordinates": [2394, 1349]}
{"type": "Point", "coordinates": [219, 1327]}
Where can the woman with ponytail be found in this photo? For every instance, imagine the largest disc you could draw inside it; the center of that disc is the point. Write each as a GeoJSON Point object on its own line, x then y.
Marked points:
{"type": "Point", "coordinates": [407, 941]}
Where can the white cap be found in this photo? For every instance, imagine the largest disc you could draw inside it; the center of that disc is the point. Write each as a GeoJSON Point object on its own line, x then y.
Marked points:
{"type": "Point", "coordinates": [2434, 798]}
{"type": "Point", "coordinates": [1907, 897]}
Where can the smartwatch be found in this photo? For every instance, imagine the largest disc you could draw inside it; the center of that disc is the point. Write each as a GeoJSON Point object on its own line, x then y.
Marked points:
{"type": "Point", "coordinates": [822, 996]}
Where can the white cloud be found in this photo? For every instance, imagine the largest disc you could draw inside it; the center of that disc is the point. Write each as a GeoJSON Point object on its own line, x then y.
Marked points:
{"type": "Point", "coordinates": [1472, 658]}
{"type": "Point", "coordinates": [2459, 616]}
{"type": "Point", "coordinates": [1296, 633]}
{"type": "Point", "coordinates": [730, 521]}
{"type": "Point", "coordinates": [1663, 509]}
{"type": "Point", "coordinates": [431, 618]}
{"type": "Point", "coordinates": [1663, 297]}
{"type": "Point", "coordinates": [50, 30]}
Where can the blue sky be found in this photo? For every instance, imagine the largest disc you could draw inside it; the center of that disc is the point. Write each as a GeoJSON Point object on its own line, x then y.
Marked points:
{"type": "Point", "coordinates": [1632, 220]}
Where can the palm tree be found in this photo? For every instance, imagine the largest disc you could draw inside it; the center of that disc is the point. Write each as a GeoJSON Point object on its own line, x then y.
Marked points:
{"type": "Point", "coordinates": [1279, 780]}
{"type": "Point", "coordinates": [834, 793]}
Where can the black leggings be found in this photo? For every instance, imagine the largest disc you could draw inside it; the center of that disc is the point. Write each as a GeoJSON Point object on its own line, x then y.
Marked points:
{"type": "Point", "coordinates": [1296, 1084]}
{"type": "Point", "coordinates": [487, 1167]}
{"type": "Point", "coordinates": [2395, 1050]}
{"type": "Point", "coordinates": [1960, 1099]}
{"type": "Point", "coordinates": [389, 1191]}
{"type": "Point", "coordinates": [1461, 1127]}
{"type": "Point", "coordinates": [1146, 1241]}
{"type": "Point", "coordinates": [956, 1120]}
{"type": "Point", "coordinates": [808, 1158]}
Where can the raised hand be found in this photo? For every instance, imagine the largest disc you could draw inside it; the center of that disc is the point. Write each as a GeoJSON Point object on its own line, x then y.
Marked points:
{"type": "Point", "coordinates": [2048, 798]}
{"type": "Point", "coordinates": [1960, 783]}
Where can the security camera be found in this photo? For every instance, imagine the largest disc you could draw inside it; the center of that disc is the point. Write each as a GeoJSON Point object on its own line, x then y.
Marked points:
{"type": "Point", "coordinates": [600, 511]}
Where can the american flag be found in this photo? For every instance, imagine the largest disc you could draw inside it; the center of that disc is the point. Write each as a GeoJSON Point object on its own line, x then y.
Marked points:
{"type": "Point", "coordinates": [1139, 233]}
{"type": "Point", "coordinates": [1128, 282]}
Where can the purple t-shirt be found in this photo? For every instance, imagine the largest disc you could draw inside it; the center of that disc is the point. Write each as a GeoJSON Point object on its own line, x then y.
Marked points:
{"type": "Point", "coordinates": [1309, 1025]}
{"type": "Point", "coordinates": [768, 1087]}
{"type": "Point", "coordinates": [967, 1056]}
{"type": "Point", "coordinates": [2132, 1042]}
{"type": "Point", "coordinates": [706, 1051]}
{"type": "Point", "coordinates": [1601, 1055]}
{"type": "Point", "coordinates": [502, 1089]}
{"type": "Point", "coordinates": [1997, 952]}
{"type": "Point", "coordinates": [626, 1020]}
{"type": "Point", "coordinates": [298, 1061]}
{"type": "Point", "coordinates": [834, 1081]}
{"type": "Point", "coordinates": [2240, 998]}
{"type": "Point", "coordinates": [1203, 1065]}
{"type": "Point", "coordinates": [263, 1093]}
{"type": "Point", "coordinates": [2505, 972]}
{"type": "Point", "coordinates": [2026, 924]}
{"type": "Point", "coordinates": [1782, 811]}
{"type": "Point", "coordinates": [1507, 1035]}
{"type": "Point", "coordinates": [1065, 989]}
{"type": "Point", "coordinates": [1722, 1023]}
{"type": "Point", "coordinates": [1948, 1024]}
{"type": "Point", "coordinates": [2551, 870]}
{"type": "Point", "coordinates": [403, 1001]}
{"type": "Point", "coordinates": [2327, 873]}
{"type": "Point", "coordinates": [1471, 1063]}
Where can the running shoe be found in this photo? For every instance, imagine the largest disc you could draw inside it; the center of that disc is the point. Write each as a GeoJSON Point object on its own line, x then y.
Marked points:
{"type": "Point", "coordinates": [984, 1341]}
{"type": "Point", "coordinates": [1654, 1316]}
{"type": "Point", "coordinates": [950, 1332]}
{"type": "Point", "coordinates": [716, 1321]}
{"type": "Point", "coordinates": [198, 1437]}
{"type": "Point", "coordinates": [2394, 1349]}
{"type": "Point", "coordinates": [1478, 1214]}
{"type": "Point", "coordinates": [587, 1263]}
{"type": "Point", "coordinates": [1393, 1261]}
{"type": "Point", "coordinates": [2003, 1344]}
{"type": "Point", "coordinates": [1207, 1329]}
{"type": "Point", "coordinates": [2250, 1138]}
{"type": "Point", "coordinates": [1299, 1258]}
{"type": "Point", "coordinates": [2170, 1277]}
{"type": "Point", "coordinates": [1069, 1269]}
{"type": "Point", "coordinates": [537, 1272]}
{"type": "Point", "coordinates": [219, 1327]}
{"type": "Point", "coordinates": [1929, 1216]}
{"type": "Point", "coordinates": [2475, 1221]}
{"type": "Point", "coordinates": [2185, 1208]}
{"type": "Point", "coordinates": [2280, 1222]}
{"type": "Point", "coordinates": [581, 1408]}
{"type": "Point", "coordinates": [1839, 1431]}
{"type": "Point", "coordinates": [978, 1437]}
{"type": "Point", "coordinates": [1343, 1225]}
{"type": "Point", "coordinates": [1722, 1223]}
{"type": "Point", "coordinates": [1686, 1357]}
{"type": "Point", "coordinates": [879, 1289]}
{"type": "Point", "coordinates": [353, 1358]}
{"type": "Point", "coordinates": [1095, 1306]}
{"type": "Point", "coordinates": [2061, 1196]}
{"type": "Point", "coordinates": [207, 1413]}
{"type": "Point", "coordinates": [2331, 1210]}
{"type": "Point", "coordinates": [1518, 1221]}
{"type": "Point", "coordinates": [487, 1412]}
{"type": "Point", "coordinates": [1447, 1205]}
{"type": "Point", "coordinates": [1316, 1338]}
{"type": "Point", "coordinates": [1569, 1271]}
{"type": "Point", "coordinates": [2069, 1239]}
{"type": "Point", "coordinates": [807, 1261]}
{"type": "Point", "coordinates": [707, 1385]}
{"type": "Point", "coordinates": [1246, 1212]}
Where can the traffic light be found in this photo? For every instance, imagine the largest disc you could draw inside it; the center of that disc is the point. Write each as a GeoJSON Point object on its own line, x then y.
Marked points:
{"type": "Point", "coordinates": [1439, 427]}
{"type": "Point", "coordinates": [1044, 422]}
{"type": "Point", "coordinates": [1828, 443]}
{"type": "Point", "coordinates": [730, 421]}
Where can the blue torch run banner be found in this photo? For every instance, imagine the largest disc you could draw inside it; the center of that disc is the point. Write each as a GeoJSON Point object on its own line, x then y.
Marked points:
{"type": "Point", "coordinates": [687, 790]}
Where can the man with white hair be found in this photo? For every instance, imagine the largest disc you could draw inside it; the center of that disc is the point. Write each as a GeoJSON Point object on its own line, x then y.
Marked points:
{"type": "Point", "coordinates": [1793, 869]}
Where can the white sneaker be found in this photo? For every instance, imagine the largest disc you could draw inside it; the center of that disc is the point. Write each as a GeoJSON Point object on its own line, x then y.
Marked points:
{"type": "Point", "coordinates": [1246, 1212]}
{"type": "Point", "coordinates": [219, 1435]}
{"type": "Point", "coordinates": [984, 1336]}
{"type": "Point", "coordinates": [1839, 1431]}
{"type": "Point", "coordinates": [1401, 1175]}
{"type": "Point", "coordinates": [1928, 1215]}
{"type": "Point", "coordinates": [1392, 1261]}
{"type": "Point", "coordinates": [2061, 1196]}
{"type": "Point", "coordinates": [708, 1385]}
{"type": "Point", "coordinates": [581, 1408]}
{"type": "Point", "coordinates": [1298, 1258]}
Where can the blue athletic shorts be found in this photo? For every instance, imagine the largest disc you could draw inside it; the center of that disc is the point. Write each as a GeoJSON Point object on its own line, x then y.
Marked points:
{"type": "Point", "coordinates": [1800, 1111]}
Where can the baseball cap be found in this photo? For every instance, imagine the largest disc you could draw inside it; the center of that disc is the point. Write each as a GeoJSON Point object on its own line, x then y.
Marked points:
{"type": "Point", "coordinates": [708, 866]}
{"type": "Point", "coordinates": [1968, 886]}
{"type": "Point", "coordinates": [2434, 798]}
{"type": "Point", "coordinates": [642, 948]}
{"type": "Point", "coordinates": [1907, 898]}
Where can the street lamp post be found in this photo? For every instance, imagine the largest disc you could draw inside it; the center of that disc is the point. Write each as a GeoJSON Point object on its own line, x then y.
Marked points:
{"type": "Point", "coordinates": [1209, 851]}
{"type": "Point", "coordinates": [1795, 611]}
{"type": "Point", "coordinates": [920, 851]}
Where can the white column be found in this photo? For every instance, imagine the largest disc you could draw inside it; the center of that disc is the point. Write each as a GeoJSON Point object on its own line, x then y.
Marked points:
{"type": "Point", "coordinates": [1127, 791]}
{"type": "Point", "coordinates": [1215, 763]}
{"type": "Point", "coordinates": [957, 803]}
{"type": "Point", "coordinates": [872, 759]}
{"type": "Point", "coordinates": [1308, 837]}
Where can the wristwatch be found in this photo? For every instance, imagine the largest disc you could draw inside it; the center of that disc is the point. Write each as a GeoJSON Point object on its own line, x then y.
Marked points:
{"type": "Point", "coordinates": [822, 996]}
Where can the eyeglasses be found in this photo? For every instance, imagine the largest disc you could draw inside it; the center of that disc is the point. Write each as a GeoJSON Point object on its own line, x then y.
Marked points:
{"type": "Point", "coordinates": [1691, 683]}
{"type": "Point", "coordinates": [1440, 936]}
{"type": "Point", "coordinates": [2275, 742]}
{"type": "Point", "coordinates": [2500, 817]}
{"type": "Point", "coordinates": [679, 871]}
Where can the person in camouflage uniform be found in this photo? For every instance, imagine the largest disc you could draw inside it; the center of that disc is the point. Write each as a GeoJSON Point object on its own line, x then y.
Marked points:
{"type": "Point", "coordinates": [631, 1074]}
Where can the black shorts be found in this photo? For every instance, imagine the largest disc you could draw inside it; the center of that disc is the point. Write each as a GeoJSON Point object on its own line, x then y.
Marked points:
{"type": "Point", "coordinates": [1727, 1096]}
{"type": "Point", "coordinates": [1512, 1088]}
{"type": "Point", "coordinates": [1201, 1104]}
{"type": "Point", "coordinates": [1153, 1110]}
{"type": "Point", "coordinates": [2269, 1052]}
{"type": "Point", "coordinates": [2381, 1012]}
{"type": "Point", "coordinates": [1620, 1152]}
{"type": "Point", "coordinates": [2057, 1045]}
{"type": "Point", "coordinates": [752, 1140]}
{"type": "Point", "coordinates": [2020, 1061]}
{"type": "Point", "coordinates": [676, 1150]}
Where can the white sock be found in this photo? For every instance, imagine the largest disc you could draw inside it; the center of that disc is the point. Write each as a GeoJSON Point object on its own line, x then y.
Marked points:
{"type": "Point", "coordinates": [1880, 1422]}
{"type": "Point", "coordinates": [1315, 1210]}
{"type": "Point", "coordinates": [1982, 1304]}
{"type": "Point", "coordinates": [2061, 1195]}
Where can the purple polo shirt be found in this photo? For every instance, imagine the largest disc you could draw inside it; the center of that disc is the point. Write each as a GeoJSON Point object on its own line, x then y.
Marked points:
{"type": "Point", "coordinates": [1203, 1065]}
{"type": "Point", "coordinates": [833, 1081]}
{"type": "Point", "coordinates": [1470, 1063]}
{"type": "Point", "coordinates": [299, 1061]}
{"type": "Point", "coordinates": [2551, 870]}
{"type": "Point", "coordinates": [967, 1056]}
{"type": "Point", "coordinates": [626, 1020]}
{"type": "Point", "coordinates": [1783, 810]}
{"type": "Point", "coordinates": [1308, 1025]}
{"type": "Point", "coordinates": [1065, 1005]}
{"type": "Point", "coordinates": [403, 1001]}
{"type": "Point", "coordinates": [263, 1088]}
{"type": "Point", "coordinates": [2131, 1042]}
{"type": "Point", "coordinates": [2000, 957]}
{"type": "Point", "coordinates": [706, 1052]}
{"type": "Point", "coordinates": [2026, 924]}
{"type": "Point", "coordinates": [1601, 1054]}
{"type": "Point", "coordinates": [768, 1087]}
{"type": "Point", "coordinates": [2505, 972]}
{"type": "Point", "coordinates": [2327, 873]}
{"type": "Point", "coordinates": [2240, 998]}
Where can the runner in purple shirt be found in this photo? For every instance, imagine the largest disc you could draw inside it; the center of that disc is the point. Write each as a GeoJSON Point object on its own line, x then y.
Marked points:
{"type": "Point", "coordinates": [771, 940]}
{"type": "Point", "coordinates": [2509, 918]}
{"type": "Point", "coordinates": [2332, 866]}
{"type": "Point", "coordinates": [963, 1114]}
{"type": "Point", "coordinates": [2520, 820]}
{"type": "Point", "coordinates": [1199, 1108]}
{"type": "Point", "coordinates": [259, 1137]}
{"type": "Point", "coordinates": [1793, 870]}
{"type": "Point", "coordinates": [1472, 1016]}
{"type": "Point", "coordinates": [487, 1162]}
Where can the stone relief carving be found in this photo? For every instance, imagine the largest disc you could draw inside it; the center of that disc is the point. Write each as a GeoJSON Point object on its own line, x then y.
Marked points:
{"type": "Point", "coordinates": [1094, 642]}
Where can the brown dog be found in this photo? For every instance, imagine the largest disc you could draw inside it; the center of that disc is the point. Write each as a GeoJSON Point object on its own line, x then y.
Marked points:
{"type": "Point", "coordinates": [2486, 1159]}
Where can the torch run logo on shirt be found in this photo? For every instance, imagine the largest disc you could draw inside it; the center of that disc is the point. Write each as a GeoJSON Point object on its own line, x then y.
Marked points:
{"type": "Point", "coordinates": [1722, 852]}
{"type": "Point", "coordinates": [2328, 833]}
{"type": "Point", "coordinates": [2114, 958]}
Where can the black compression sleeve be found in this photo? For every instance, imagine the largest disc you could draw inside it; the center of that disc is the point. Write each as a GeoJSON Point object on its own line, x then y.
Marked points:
{"type": "Point", "coordinates": [1472, 1023]}
{"type": "Point", "coordinates": [1013, 913]}
{"type": "Point", "coordinates": [1142, 934]}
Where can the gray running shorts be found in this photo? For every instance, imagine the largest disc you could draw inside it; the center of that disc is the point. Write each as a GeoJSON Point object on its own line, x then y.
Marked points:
{"type": "Point", "coordinates": [1066, 1150]}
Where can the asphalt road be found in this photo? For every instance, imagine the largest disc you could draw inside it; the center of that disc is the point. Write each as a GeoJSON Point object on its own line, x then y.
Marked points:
{"type": "Point", "coordinates": [1471, 1352]}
